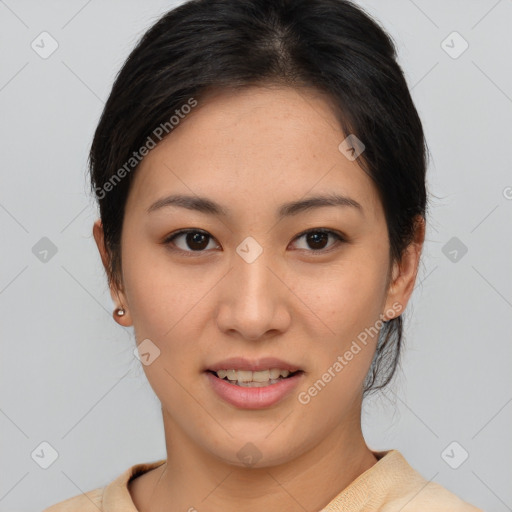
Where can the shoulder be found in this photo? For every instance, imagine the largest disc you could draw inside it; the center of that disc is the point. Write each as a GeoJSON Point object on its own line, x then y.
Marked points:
{"type": "Point", "coordinates": [393, 485]}
{"type": "Point", "coordinates": [91, 501]}
{"type": "Point", "coordinates": [430, 497]}
{"type": "Point", "coordinates": [409, 491]}
{"type": "Point", "coordinates": [115, 495]}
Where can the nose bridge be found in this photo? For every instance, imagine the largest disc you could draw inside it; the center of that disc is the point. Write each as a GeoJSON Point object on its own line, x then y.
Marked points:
{"type": "Point", "coordinates": [252, 303]}
{"type": "Point", "coordinates": [253, 286]}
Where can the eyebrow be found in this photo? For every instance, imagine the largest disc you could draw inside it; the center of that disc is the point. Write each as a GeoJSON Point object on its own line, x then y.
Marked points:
{"type": "Point", "coordinates": [205, 205]}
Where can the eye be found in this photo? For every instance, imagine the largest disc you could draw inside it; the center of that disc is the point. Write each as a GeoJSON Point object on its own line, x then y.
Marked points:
{"type": "Point", "coordinates": [317, 238]}
{"type": "Point", "coordinates": [192, 240]}
{"type": "Point", "coordinates": [198, 241]}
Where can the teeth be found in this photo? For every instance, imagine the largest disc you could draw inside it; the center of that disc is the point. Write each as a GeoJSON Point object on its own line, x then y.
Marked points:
{"type": "Point", "coordinates": [249, 378]}
{"type": "Point", "coordinates": [261, 376]}
{"type": "Point", "coordinates": [274, 373]}
{"type": "Point", "coordinates": [244, 376]}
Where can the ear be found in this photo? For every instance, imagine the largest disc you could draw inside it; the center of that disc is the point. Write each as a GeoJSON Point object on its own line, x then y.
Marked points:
{"type": "Point", "coordinates": [117, 295]}
{"type": "Point", "coordinates": [404, 274]}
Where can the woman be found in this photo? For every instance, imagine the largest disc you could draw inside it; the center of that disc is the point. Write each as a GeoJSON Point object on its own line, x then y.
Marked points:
{"type": "Point", "coordinates": [260, 172]}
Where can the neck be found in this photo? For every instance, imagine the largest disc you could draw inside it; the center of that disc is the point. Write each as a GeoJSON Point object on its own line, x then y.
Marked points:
{"type": "Point", "coordinates": [193, 479]}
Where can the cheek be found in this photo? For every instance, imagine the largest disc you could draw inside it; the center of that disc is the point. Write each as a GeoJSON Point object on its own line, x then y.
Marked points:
{"type": "Point", "coordinates": [164, 308]}
{"type": "Point", "coordinates": [349, 303]}
{"type": "Point", "coordinates": [351, 308]}
{"type": "Point", "coordinates": [352, 295]}
{"type": "Point", "coordinates": [159, 294]}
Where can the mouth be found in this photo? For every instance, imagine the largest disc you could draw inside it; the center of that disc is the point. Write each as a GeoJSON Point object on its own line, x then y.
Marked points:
{"type": "Point", "coordinates": [254, 379]}
{"type": "Point", "coordinates": [253, 383]}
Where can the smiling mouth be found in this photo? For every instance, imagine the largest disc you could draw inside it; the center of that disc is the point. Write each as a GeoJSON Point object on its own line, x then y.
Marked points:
{"type": "Point", "coordinates": [250, 379]}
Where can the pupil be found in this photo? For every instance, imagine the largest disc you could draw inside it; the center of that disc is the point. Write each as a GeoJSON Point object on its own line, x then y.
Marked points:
{"type": "Point", "coordinates": [316, 238]}
{"type": "Point", "coordinates": [197, 238]}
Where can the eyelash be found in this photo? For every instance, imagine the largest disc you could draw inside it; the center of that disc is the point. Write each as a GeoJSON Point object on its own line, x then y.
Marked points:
{"type": "Point", "coordinates": [338, 236]}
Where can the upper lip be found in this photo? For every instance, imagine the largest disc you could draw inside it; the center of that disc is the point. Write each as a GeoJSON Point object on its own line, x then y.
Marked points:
{"type": "Point", "coordinates": [254, 365]}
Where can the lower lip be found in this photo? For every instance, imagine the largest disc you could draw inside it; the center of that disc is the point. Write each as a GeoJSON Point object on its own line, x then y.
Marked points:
{"type": "Point", "coordinates": [253, 398]}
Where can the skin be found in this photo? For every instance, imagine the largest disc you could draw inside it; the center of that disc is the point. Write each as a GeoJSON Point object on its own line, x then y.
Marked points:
{"type": "Point", "coordinates": [252, 151]}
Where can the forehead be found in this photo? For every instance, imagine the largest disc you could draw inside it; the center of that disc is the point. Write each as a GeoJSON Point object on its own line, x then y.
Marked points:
{"type": "Point", "coordinates": [259, 144]}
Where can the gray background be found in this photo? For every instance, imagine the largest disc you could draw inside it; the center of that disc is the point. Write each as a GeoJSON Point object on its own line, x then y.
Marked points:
{"type": "Point", "coordinates": [68, 374]}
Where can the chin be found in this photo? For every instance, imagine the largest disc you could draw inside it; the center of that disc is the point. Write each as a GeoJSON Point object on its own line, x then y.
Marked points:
{"type": "Point", "coordinates": [256, 452]}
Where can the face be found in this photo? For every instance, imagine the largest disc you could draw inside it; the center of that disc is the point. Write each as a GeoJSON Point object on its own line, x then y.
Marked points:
{"type": "Point", "coordinates": [255, 278]}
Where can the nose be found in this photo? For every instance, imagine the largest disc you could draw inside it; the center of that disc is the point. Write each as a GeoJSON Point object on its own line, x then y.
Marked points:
{"type": "Point", "coordinates": [253, 301]}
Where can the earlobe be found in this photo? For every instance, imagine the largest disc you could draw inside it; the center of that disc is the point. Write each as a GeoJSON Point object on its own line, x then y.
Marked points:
{"type": "Point", "coordinates": [394, 306]}
{"type": "Point", "coordinates": [120, 314]}
{"type": "Point", "coordinates": [405, 272]}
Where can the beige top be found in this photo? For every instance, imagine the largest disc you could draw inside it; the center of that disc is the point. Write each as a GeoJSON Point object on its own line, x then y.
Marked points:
{"type": "Point", "coordinates": [390, 485]}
